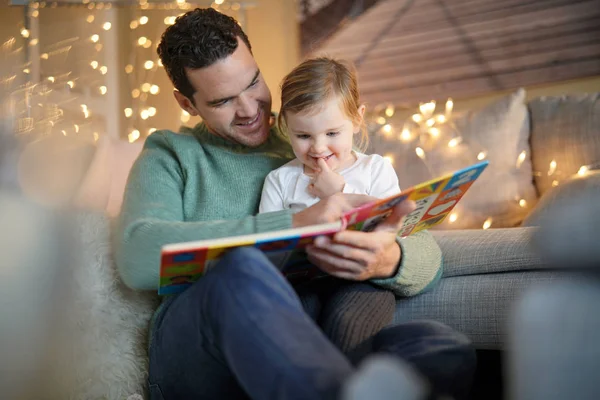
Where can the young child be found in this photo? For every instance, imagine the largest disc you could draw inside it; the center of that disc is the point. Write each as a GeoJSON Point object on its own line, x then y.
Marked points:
{"type": "Point", "coordinates": [322, 115]}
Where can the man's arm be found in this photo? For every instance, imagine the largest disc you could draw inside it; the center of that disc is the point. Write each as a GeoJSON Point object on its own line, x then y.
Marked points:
{"type": "Point", "coordinates": [420, 266]}
{"type": "Point", "coordinates": [152, 216]}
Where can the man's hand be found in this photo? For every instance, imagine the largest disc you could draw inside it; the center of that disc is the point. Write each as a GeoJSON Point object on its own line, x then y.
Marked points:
{"type": "Point", "coordinates": [326, 182]}
{"type": "Point", "coordinates": [358, 256]}
{"type": "Point", "coordinates": [329, 209]}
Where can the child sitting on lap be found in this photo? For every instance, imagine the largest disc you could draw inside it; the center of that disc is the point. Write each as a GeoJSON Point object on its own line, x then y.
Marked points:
{"type": "Point", "coordinates": [322, 115]}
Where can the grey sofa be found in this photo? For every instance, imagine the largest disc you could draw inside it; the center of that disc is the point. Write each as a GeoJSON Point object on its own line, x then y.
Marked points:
{"type": "Point", "coordinates": [486, 271]}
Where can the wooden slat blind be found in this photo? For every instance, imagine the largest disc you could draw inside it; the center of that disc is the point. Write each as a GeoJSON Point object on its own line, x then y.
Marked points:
{"type": "Point", "coordinates": [417, 50]}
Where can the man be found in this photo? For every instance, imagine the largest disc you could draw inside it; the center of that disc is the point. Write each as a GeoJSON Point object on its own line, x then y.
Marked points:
{"type": "Point", "coordinates": [241, 330]}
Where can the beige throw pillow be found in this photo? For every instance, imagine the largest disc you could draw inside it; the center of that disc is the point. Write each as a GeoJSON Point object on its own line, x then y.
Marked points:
{"type": "Point", "coordinates": [504, 193]}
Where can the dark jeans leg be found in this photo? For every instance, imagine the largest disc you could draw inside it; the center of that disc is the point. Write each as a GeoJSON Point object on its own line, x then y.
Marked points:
{"type": "Point", "coordinates": [241, 329]}
{"type": "Point", "coordinates": [443, 356]}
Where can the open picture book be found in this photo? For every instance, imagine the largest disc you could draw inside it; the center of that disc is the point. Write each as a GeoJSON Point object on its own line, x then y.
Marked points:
{"type": "Point", "coordinates": [182, 264]}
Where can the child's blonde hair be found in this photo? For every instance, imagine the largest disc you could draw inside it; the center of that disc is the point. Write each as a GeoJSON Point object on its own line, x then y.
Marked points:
{"type": "Point", "coordinates": [317, 80]}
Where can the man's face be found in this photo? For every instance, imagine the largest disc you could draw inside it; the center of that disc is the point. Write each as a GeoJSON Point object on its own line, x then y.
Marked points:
{"type": "Point", "coordinates": [232, 98]}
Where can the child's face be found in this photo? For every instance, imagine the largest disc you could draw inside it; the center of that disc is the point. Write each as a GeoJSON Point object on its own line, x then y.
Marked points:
{"type": "Point", "coordinates": [325, 133]}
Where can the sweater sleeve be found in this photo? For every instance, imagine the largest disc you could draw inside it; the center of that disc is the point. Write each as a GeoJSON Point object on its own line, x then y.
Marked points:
{"type": "Point", "coordinates": [152, 216]}
{"type": "Point", "coordinates": [420, 267]}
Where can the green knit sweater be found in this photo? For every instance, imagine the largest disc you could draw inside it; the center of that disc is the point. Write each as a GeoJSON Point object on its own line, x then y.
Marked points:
{"type": "Point", "coordinates": [193, 185]}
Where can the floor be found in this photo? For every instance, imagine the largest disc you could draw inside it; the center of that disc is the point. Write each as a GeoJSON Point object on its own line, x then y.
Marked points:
{"type": "Point", "coordinates": [488, 383]}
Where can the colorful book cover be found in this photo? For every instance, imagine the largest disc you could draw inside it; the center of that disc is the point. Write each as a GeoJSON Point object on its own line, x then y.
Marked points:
{"type": "Point", "coordinates": [182, 264]}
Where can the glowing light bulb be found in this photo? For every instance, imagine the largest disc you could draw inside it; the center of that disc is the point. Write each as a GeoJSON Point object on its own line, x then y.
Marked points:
{"type": "Point", "coordinates": [454, 142]}
{"type": "Point", "coordinates": [149, 64]}
{"type": "Point", "coordinates": [94, 64]}
{"type": "Point", "coordinates": [134, 24]}
{"type": "Point", "coordinates": [185, 116]}
{"type": "Point", "coordinates": [85, 110]}
{"type": "Point", "coordinates": [420, 152]}
{"type": "Point", "coordinates": [154, 89]}
{"type": "Point", "coordinates": [430, 122]}
{"type": "Point", "coordinates": [552, 168]}
{"type": "Point", "coordinates": [76, 128]}
{"type": "Point", "coordinates": [90, 18]}
{"type": "Point", "coordinates": [481, 155]}
{"type": "Point", "coordinates": [95, 37]}
{"type": "Point", "coordinates": [34, 42]}
{"type": "Point", "coordinates": [449, 107]}
{"type": "Point", "coordinates": [144, 114]}
{"type": "Point", "coordinates": [169, 20]}
{"type": "Point", "coordinates": [128, 112]}
{"type": "Point", "coordinates": [387, 128]}
{"type": "Point", "coordinates": [152, 111]}
{"type": "Point", "coordinates": [159, 62]}
{"type": "Point", "coordinates": [405, 135]}
{"type": "Point", "coordinates": [147, 44]}
{"type": "Point", "coordinates": [133, 136]}
{"type": "Point", "coordinates": [128, 68]}
{"type": "Point", "coordinates": [453, 217]}
{"type": "Point", "coordinates": [435, 132]}
{"type": "Point", "coordinates": [417, 118]}
{"type": "Point", "coordinates": [98, 46]}
{"type": "Point", "coordinates": [381, 121]}
{"type": "Point", "coordinates": [142, 40]}
{"type": "Point", "coordinates": [554, 183]}
{"type": "Point", "coordinates": [521, 158]}
{"type": "Point", "coordinates": [389, 111]}
{"type": "Point", "coordinates": [143, 20]}
{"type": "Point", "coordinates": [487, 223]}
{"type": "Point", "coordinates": [25, 33]}
{"type": "Point", "coordinates": [151, 131]}
{"type": "Point", "coordinates": [219, 2]}
{"type": "Point", "coordinates": [96, 136]}
{"type": "Point", "coordinates": [103, 70]}
{"type": "Point", "coordinates": [440, 119]}
{"type": "Point", "coordinates": [427, 108]}
{"type": "Point", "coordinates": [583, 170]}
{"type": "Point", "coordinates": [44, 56]}
{"type": "Point", "coordinates": [26, 70]}
{"type": "Point", "coordinates": [135, 93]}
{"type": "Point", "coordinates": [523, 203]}
{"type": "Point", "coordinates": [51, 79]}
{"type": "Point", "coordinates": [389, 158]}
{"type": "Point", "coordinates": [106, 26]}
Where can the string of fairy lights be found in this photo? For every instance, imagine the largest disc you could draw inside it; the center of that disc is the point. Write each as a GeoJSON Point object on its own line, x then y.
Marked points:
{"type": "Point", "coordinates": [48, 97]}
{"type": "Point", "coordinates": [425, 128]}
{"type": "Point", "coordinates": [52, 77]}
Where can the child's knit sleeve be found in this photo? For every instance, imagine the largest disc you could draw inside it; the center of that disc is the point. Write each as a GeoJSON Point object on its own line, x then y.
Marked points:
{"type": "Point", "coordinates": [152, 216]}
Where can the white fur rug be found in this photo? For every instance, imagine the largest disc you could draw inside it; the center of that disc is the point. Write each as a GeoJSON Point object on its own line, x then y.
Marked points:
{"type": "Point", "coordinates": [99, 346]}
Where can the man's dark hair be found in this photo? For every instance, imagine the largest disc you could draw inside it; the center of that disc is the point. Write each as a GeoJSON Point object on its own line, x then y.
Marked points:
{"type": "Point", "coordinates": [198, 39]}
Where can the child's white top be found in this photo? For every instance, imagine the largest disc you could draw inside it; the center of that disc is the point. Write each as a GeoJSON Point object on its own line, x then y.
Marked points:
{"type": "Point", "coordinates": [287, 186]}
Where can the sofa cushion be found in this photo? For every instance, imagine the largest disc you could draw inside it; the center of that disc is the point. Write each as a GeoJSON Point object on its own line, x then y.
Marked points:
{"type": "Point", "coordinates": [501, 131]}
{"type": "Point", "coordinates": [565, 130]}
{"type": "Point", "coordinates": [103, 184]}
{"type": "Point", "coordinates": [477, 251]}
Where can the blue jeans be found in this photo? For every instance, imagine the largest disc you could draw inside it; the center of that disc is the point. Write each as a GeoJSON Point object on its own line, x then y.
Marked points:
{"type": "Point", "coordinates": [241, 332]}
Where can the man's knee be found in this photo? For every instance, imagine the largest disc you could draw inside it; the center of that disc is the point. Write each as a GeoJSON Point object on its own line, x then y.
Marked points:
{"type": "Point", "coordinates": [238, 261]}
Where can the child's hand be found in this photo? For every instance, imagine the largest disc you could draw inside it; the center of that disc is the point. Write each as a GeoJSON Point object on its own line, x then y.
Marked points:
{"type": "Point", "coordinates": [326, 182]}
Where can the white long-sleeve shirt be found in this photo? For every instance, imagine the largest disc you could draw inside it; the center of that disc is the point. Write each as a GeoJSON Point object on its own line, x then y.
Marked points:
{"type": "Point", "coordinates": [287, 187]}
